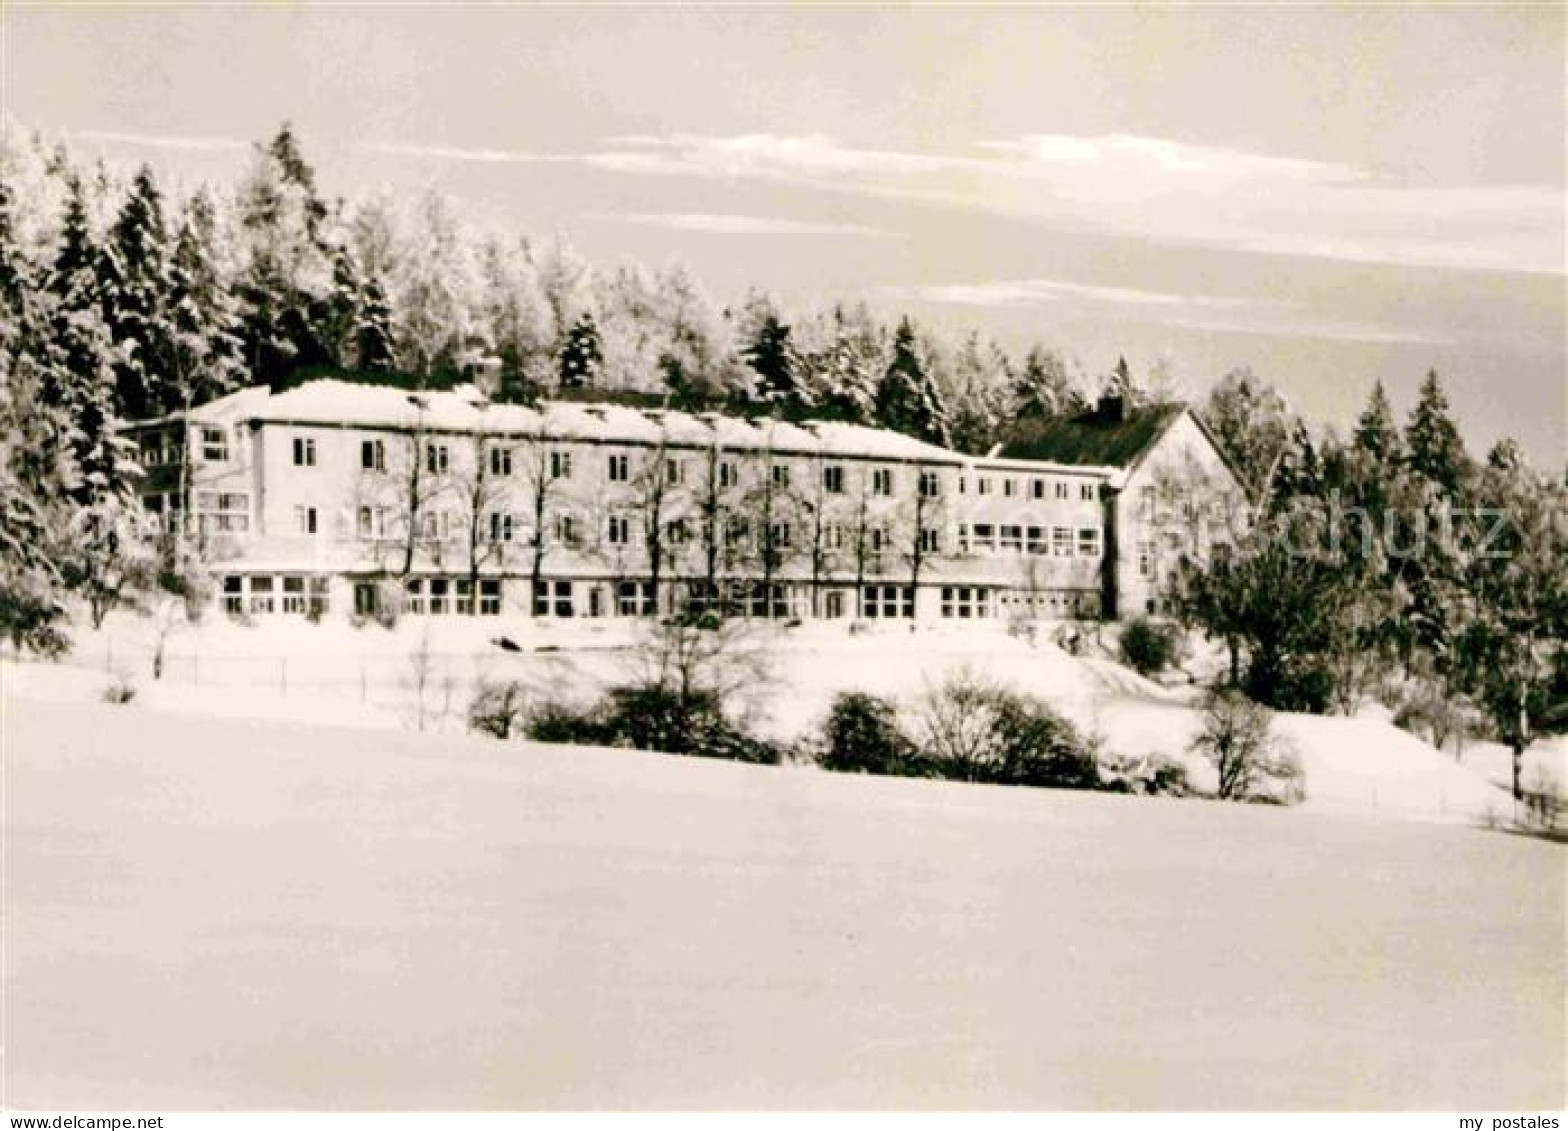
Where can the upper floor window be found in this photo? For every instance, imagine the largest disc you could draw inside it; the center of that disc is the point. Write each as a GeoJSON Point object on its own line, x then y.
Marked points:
{"type": "Point", "coordinates": [620, 468]}
{"type": "Point", "coordinates": [214, 445]}
{"type": "Point", "coordinates": [833, 479]}
{"type": "Point", "coordinates": [1009, 486]}
{"type": "Point", "coordinates": [566, 530]}
{"type": "Point", "coordinates": [304, 451]}
{"type": "Point", "coordinates": [930, 540]}
{"type": "Point", "coordinates": [436, 525]}
{"type": "Point", "coordinates": [930, 484]}
{"type": "Point", "coordinates": [882, 481]}
{"type": "Point", "coordinates": [560, 465]}
{"type": "Point", "coordinates": [729, 474]}
{"type": "Point", "coordinates": [676, 532]}
{"type": "Point", "coordinates": [373, 455]}
{"type": "Point", "coordinates": [500, 461]}
{"type": "Point", "coordinates": [984, 486]}
{"type": "Point", "coordinates": [780, 474]}
{"type": "Point", "coordinates": [1061, 489]}
{"type": "Point", "coordinates": [1037, 488]}
{"type": "Point", "coordinates": [675, 472]}
{"type": "Point", "coordinates": [305, 520]}
{"type": "Point", "coordinates": [619, 530]}
{"type": "Point", "coordinates": [779, 535]}
{"type": "Point", "coordinates": [372, 522]}
{"type": "Point", "coordinates": [1146, 558]}
{"type": "Point", "coordinates": [1086, 492]}
{"type": "Point", "coordinates": [437, 457]}
{"type": "Point", "coordinates": [1146, 502]}
{"type": "Point", "coordinates": [500, 527]}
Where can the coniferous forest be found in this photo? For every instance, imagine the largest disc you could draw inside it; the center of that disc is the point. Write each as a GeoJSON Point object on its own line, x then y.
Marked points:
{"type": "Point", "coordinates": [1389, 562]}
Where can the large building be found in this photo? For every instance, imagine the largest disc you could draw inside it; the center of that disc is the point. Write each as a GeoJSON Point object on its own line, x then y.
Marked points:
{"type": "Point", "coordinates": [338, 498]}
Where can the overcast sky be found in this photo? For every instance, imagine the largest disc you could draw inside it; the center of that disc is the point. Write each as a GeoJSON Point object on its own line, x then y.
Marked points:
{"type": "Point", "coordinates": [1331, 195]}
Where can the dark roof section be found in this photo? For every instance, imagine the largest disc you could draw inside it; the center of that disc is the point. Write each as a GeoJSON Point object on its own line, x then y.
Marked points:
{"type": "Point", "coordinates": [1094, 439]}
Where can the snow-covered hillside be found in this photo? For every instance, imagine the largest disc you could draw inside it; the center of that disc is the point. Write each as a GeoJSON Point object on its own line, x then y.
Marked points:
{"type": "Point", "coordinates": [207, 914]}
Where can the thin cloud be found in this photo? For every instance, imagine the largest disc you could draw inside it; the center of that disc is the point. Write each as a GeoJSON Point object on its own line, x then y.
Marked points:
{"type": "Point", "coordinates": [462, 153]}
{"type": "Point", "coordinates": [1227, 314]}
{"type": "Point", "coordinates": [1155, 189]}
{"type": "Point", "coordinates": [1036, 292]}
{"type": "Point", "coordinates": [162, 141]}
{"type": "Point", "coordinates": [1124, 185]}
{"type": "Point", "coordinates": [730, 224]}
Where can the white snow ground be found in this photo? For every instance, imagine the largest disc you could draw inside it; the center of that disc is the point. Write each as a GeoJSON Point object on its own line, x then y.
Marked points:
{"type": "Point", "coordinates": [238, 914]}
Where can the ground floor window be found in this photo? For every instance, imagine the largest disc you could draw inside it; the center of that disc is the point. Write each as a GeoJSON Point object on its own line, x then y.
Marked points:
{"type": "Point", "coordinates": [835, 603]}
{"type": "Point", "coordinates": [1051, 602]}
{"type": "Point", "coordinates": [887, 602]}
{"type": "Point", "coordinates": [490, 598]}
{"type": "Point", "coordinates": [770, 601]}
{"type": "Point", "coordinates": [635, 599]}
{"type": "Point", "coordinates": [553, 599]}
{"type": "Point", "coordinates": [965, 602]}
{"type": "Point", "coordinates": [264, 593]}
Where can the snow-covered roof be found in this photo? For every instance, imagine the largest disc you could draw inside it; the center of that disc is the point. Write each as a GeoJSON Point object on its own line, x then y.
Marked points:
{"type": "Point", "coordinates": [333, 402]}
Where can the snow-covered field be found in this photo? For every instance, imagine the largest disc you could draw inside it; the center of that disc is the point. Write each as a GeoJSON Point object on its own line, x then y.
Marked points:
{"type": "Point", "coordinates": [221, 913]}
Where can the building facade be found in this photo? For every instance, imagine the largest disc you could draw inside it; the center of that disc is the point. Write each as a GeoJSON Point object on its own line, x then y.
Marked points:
{"type": "Point", "coordinates": [339, 498]}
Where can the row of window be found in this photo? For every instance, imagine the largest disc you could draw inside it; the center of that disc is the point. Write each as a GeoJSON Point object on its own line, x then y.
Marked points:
{"type": "Point", "coordinates": [1058, 541]}
{"type": "Point", "coordinates": [438, 460]}
{"type": "Point", "coordinates": [301, 594]}
{"type": "Point", "coordinates": [1036, 486]}
{"type": "Point", "coordinates": [559, 465]}
{"type": "Point", "coordinates": [973, 602]}
{"type": "Point", "coordinates": [438, 596]}
{"type": "Point", "coordinates": [271, 593]}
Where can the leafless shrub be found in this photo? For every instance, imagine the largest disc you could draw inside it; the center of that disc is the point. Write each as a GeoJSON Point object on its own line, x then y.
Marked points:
{"type": "Point", "coordinates": [1253, 763]}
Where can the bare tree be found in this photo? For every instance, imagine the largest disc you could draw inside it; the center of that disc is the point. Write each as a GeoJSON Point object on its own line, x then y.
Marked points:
{"type": "Point", "coordinates": [540, 465]}
{"type": "Point", "coordinates": [482, 486]}
{"type": "Point", "coordinates": [772, 501]}
{"type": "Point", "coordinates": [819, 548]}
{"type": "Point", "coordinates": [864, 531]}
{"type": "Point", "coordinates": [922, 537]}
{"type": "Point", "coordinates": [717, 538]}
{"type": "Point", "coordinates": [1251, 763]}
{"type": "Point", "coordinates": [654, 499]}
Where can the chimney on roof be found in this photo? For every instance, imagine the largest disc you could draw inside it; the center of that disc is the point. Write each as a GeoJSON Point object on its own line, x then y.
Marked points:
{"type": "Point", "coordinates": [1111, 409]}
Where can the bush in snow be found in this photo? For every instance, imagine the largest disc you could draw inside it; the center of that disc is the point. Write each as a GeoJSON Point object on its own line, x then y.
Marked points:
{"type": "Point", "coordinates": [1149, 647]}
{"type": "Point", "coordinates": [1252, 763]}
{"type": "Point", "coordinates": [658, 718]}
{"type": "Point", "coordinates": [1156, 774]}
{"type": "Point", "coordinates": [973, 730]}
{"type": "Point", "coordinates": [645, 717]}
{"type": "Point", "coordinates": [861, 735]}
{"type": "Point", "coordinates": [498, 708]}
{"type": "Point", "coordinates": [553, 721]}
